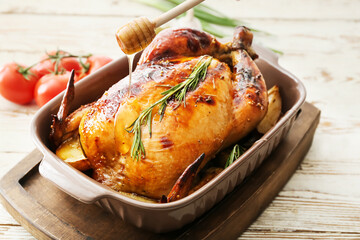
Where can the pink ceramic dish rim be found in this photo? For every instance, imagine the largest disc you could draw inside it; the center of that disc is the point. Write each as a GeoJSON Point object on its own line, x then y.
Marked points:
{"type": "Point", "coordinates": [89, 191]}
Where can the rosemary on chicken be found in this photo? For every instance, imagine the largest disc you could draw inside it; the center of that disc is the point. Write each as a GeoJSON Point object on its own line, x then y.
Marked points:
{"type": "Point", "coordinates": [178, 93]}
{"type": "Point", "coordinates": [236, 152]}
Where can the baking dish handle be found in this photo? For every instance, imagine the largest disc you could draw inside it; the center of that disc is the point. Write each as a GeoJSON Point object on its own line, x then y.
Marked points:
{"type": "Point", "coordinates": [75, 184]}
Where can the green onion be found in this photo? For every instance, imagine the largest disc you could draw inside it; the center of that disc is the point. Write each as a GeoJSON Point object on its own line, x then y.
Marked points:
{"type": "Point", "coordinates": [205, 14]}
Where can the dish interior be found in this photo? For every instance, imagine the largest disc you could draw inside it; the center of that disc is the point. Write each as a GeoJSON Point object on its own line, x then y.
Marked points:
{"type": "Point", "coordinates": [95, 85]}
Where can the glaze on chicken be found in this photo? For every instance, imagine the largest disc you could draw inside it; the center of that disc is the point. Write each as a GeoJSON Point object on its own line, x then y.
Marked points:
{"type": "Point", "coordinates": [225, 107]}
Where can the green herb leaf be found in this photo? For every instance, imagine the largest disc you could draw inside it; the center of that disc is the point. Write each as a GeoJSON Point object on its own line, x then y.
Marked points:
{"type": "Point", "coordinates": [236, 152]}
{"type": "Point", "coordinates": [277, 51]}
{"type": "Point", "coordinates": [178, 93]}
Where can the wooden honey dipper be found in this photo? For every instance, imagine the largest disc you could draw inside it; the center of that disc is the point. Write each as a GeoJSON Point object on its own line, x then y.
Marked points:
{"type": "Point", "coordinates": [137, 34]}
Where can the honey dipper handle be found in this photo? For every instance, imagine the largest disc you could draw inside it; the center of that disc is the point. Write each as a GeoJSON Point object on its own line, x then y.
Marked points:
{"type": "Point", "coordinates": [176, 11]}
{"type": "Point", "coordinates": [138, 34]}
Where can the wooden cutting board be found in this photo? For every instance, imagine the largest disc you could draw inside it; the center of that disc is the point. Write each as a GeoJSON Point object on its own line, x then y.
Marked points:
{"type": "Point", "coordinates": [48, 213]}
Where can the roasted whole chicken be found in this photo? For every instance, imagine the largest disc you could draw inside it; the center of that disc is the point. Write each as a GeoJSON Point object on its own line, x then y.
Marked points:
{"type": "Point", "coordinates": [191, 96]}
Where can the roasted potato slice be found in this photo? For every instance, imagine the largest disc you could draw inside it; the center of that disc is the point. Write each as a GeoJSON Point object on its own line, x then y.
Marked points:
{"type": "Point", "coordinates": [274, 111]}
{"type": "Point", "coordinates": [70, 151]}
{"type": "Point", "coordinates": [138, 197]}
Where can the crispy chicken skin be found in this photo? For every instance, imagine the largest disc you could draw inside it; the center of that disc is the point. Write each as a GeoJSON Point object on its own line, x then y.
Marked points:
{"type": "Point", "coordinates": [226, 105]}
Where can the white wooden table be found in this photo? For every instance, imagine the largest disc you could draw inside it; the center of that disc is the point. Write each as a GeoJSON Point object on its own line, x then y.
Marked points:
{"type": "Point", "coordinates": [321, 44]}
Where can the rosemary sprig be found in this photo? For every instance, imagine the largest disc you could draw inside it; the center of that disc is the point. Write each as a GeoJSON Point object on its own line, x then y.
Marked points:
{"type": "Point", "coordinates": [236, 152]}
{"type": "Point", "coordinates": [177, 93]}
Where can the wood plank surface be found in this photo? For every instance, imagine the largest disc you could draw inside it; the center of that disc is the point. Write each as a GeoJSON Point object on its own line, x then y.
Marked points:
{"type": "Point", "coordinates": [281, 9]}
{"type": "Point", "coordinates": [320, 40]}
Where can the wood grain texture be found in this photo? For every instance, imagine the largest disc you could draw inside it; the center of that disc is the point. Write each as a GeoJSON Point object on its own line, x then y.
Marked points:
{"type": "Point", "coordinates": [320, 40]}
{"type": "Point", "coordinates": [280, 9]}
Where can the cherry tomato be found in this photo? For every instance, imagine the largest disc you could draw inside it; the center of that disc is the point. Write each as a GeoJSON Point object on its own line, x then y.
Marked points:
{"type": "Point", "coordinates": [71, 63]}
{"type": "Point", "coordinates": [49, 86]}
{"type": "Point", "coordinates": [47, 66]}
{"type": "Point", "coordinates": [97, 62]}
{"type": "Point", "coordinates": [43, 68]}
{"type": "Point", "coordinates": [17, 84]}
{"type": "Point", "coordinates": [93, 63]}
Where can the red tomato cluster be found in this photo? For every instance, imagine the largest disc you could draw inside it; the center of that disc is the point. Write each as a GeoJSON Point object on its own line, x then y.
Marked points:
{"type": "Point", "coordinates": [46, 79]}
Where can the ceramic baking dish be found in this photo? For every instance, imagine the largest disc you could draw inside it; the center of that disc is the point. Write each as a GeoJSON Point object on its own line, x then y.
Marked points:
{"type": "Point", "coordinates": [168, 216]}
